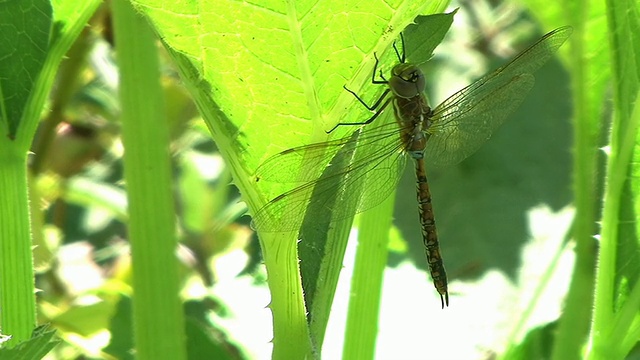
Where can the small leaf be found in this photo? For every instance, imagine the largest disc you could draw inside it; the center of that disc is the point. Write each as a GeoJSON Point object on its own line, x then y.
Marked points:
{"type": "Point", "coordinates": [42, 341]}
{"type": "Point", "coordinates": [24, 42]}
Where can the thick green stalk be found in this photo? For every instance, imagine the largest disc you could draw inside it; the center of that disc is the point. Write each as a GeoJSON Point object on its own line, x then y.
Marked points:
{"type": "Point", "coordinates": [158, 317]}
{"type": "Point", "coordinates": [17, 302]}
{"type": "Point", "coordinates": [17, 299]}
{"type": "Point", "coordinates": [613, 332]}
{"type": "Point", "coordinates": [575, 321]}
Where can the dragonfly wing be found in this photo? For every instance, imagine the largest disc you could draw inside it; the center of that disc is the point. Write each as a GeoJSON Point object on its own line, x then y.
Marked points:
{"type": "Point", "coordinates": [382, 178]}
{"type": "Point", "coordinates": [460, 127]}
{"type": "Point", "coordinates": [535, 56]}
{"type": "Point", "coordinates": [289, 166]}
{"type": "Point", "coordinates": [357, 190]}
{"type": "Point", "coordinates": [306, 163]}
{"type": "Point", "coordinates": [371, 152]}
{"type": "Point", "coordinates": [527, 62]}
{"type": "Point", "coordinates": [468, 118]}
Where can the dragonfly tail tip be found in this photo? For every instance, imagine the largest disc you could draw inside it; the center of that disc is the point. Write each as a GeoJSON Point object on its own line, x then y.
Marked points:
{"type": "Point", "coordinates": [444, 299]}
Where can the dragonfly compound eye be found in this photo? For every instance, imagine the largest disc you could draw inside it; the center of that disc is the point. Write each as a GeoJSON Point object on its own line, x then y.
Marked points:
{"type": "Point", "coordinates": [407, 81]}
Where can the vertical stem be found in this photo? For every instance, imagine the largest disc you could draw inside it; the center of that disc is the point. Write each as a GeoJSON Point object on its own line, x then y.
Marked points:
{"type": "Point", "coordinates": [290, 329]}
{"type": "Point", "coordinates": [366, 284]}
{"type": "Point", "coordinates": [158, 316]}
{"type": "Point", "coordinates": [575, 321]}
{"type": "Point", "coordinates": [17, 300]}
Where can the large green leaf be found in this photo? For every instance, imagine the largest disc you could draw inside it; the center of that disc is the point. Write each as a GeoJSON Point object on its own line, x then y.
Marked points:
{"type": "Point", "coordinates": [267, 77]}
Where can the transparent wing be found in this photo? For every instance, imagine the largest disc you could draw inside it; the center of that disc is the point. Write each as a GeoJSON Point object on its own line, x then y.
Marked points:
{"type": "Point", "coordinates": [458, 131]}
{"type": "Point", "coordinates": [376, 158]}
{"type": "Point", "coordinates": [463, 122]}
{"type": "Point", "coordinates": [285, 167]}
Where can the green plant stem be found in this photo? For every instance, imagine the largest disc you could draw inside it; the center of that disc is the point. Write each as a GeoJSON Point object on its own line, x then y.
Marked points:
{"type": "Point", "coordinates": [68, 77]}
{"type": "Point", "coordinates": [574, 324]}
{"type": "Point", "coordinates": [279, 249]}
{"type": "Point", "coordinates": [603, 324]}
{"type": "Point", "coordinates": [158, 316]}
{"type": "Point", "coordinates": [290, 332]}
{"type": "Point", "coordinates": [17, 300]}
{"type": "Point", "coordinates": [617, 297]}
{"type": "Point", "coordinates": [366, 285]}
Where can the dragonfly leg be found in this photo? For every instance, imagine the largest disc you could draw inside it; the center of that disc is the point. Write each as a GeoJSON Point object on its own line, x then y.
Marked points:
{"type": "Point", "coordinates": [373, 74]}
{"type": "Point", "coordinates": [401, 58]}
{"type": "Point", "coordinates": [368, 121]}
{"type": "Point", "coordinates": [384, 81]}
{"type": "Point", "coordinates": [375, 105]}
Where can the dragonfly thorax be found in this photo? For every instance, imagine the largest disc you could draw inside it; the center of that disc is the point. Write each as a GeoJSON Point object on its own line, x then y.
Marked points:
{"type": "Point", "coordinates": [413, 115]}
{"type": "Point", "coordinates": [407, 81]}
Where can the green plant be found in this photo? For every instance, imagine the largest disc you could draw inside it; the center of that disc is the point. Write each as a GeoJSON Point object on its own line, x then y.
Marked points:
{"type": "Point", "coordinates": [33, 47]}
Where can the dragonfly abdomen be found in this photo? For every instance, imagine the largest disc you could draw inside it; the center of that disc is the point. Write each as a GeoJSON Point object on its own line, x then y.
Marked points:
{"type": "Point", "coordinates": [413, 116]}
{"type": "Point", "coordinates": [429, 234]}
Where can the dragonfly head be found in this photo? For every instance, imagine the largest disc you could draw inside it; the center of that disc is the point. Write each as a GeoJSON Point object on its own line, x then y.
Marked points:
{"type": "Point", "coordinates": [407, 81]}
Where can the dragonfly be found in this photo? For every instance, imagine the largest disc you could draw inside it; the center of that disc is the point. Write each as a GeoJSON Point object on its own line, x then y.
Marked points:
{"type": "Point", "coordinates": [444, 135]}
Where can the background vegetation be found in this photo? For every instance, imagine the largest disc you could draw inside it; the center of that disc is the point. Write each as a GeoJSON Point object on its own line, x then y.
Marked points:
{"type": "Point", "coordinates": [128, 150]}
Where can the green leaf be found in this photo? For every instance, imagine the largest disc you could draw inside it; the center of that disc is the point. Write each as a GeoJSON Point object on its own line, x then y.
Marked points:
{"type": "Point", "coordinates": [85, 320]}
{"type": "Point", "coordinates": [26, 28]}
{"type": "Point", "coordinates": [536, 345]}
{"type": "Point", "coordinates": [425, 34]}
{"type": "Point", "coordinates": [42, 341]}
{"type": "Point", "coordinates": [121, 327]}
